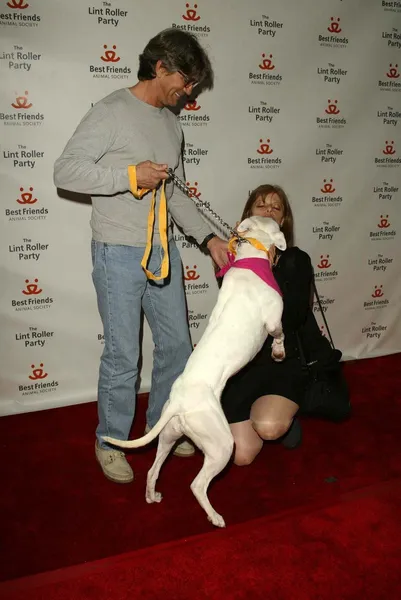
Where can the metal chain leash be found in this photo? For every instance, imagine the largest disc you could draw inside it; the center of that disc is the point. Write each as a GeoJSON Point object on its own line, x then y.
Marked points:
{"type": "Point", "coordinates": [200, 203]}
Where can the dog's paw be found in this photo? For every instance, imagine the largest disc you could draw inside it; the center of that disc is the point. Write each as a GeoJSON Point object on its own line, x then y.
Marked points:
{"type": "Point", "coordinates": [278, 355]}
{"type": "Point", "coordinates": [217, 520]}
{"type": "Point", "coordinates": [153, 497]}
{"type": "Point", "coordinates": [278, 351]}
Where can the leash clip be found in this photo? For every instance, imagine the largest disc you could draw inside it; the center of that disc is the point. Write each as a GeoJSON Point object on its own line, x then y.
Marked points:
{"type": "Point", "coordinates": [241, 240]}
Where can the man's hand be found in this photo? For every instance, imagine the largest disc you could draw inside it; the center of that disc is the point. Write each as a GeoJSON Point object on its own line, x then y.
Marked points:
{"type": "Point", "coordinates": [218, 249]}
{"type": "Point", "coordinates": [150, 174]}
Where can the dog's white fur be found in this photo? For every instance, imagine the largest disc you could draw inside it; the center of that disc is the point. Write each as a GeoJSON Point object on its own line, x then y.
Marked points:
{"type": "Point", "coordinates": [246, 312]}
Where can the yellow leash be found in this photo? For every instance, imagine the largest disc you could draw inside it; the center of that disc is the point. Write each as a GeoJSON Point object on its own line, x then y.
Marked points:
{"type": "Point", "coordinates": [138, 193]}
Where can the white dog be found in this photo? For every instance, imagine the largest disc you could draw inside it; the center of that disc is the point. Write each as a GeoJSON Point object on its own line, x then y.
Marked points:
{"type": "Point", "coordinates": [246, 312]}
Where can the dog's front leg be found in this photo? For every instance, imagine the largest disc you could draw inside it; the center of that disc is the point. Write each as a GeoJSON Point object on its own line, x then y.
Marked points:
{"type": "Point", "coordinates": [278, 350]}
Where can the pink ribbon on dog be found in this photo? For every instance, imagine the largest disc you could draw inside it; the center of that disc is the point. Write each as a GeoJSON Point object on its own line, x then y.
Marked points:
{"type": "Point", "coordinates": [260, 266]}
{"type": "Point", "coordinates": [223, 270]}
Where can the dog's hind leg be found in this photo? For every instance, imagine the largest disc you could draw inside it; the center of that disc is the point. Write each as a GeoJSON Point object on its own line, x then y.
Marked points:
{"type": "Point", "coordinates": [217, 444]}
{"type": "Point", "coordinates": [167, 438]}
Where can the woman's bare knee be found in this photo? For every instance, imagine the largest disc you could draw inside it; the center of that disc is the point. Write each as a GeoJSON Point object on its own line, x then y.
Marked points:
{"type": "Point", "coordinates": [247, 443]}
{"type": "Point", "coordinates": [243, 459]}
{"type": "Point", "coordinates": [271, 430]}
{"type": "Point", "coordinates": [272, 416]}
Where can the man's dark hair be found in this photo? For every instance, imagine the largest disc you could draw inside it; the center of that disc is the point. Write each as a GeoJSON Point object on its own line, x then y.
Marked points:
{"type": "Point", "coordinates": [179, 51]}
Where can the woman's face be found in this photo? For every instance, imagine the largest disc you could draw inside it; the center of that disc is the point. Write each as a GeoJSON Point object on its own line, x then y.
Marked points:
{"type": "Point", "coordinates": [270, 206]}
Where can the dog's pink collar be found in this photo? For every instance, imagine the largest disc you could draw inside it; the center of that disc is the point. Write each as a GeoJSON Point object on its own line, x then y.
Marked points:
{"type": "Point", "coordinates": [259, 266]}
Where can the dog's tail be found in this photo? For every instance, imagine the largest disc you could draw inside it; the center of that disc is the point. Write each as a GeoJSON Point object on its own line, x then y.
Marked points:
{"type": "Point", "coordinates": [167, 415]}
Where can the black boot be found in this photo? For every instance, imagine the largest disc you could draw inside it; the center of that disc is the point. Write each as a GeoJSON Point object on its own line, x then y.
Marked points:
{"type": "Point", "coordinates": [293, 438]}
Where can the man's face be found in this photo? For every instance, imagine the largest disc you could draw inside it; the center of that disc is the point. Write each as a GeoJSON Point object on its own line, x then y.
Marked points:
{"type": "Point", "coordinates": [173, 86]}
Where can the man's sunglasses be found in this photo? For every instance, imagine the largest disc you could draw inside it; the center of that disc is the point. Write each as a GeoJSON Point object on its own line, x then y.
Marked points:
{"type": "Point", "coordinates": [187, 80]}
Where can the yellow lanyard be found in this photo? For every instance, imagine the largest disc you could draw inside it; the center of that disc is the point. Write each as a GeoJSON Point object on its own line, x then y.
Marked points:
{"type": "Point", "coordinates": [138, 193]}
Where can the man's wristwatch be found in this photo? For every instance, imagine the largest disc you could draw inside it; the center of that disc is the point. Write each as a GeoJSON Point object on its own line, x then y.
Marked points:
{"type": "Point", "coordinates": [207, 239]}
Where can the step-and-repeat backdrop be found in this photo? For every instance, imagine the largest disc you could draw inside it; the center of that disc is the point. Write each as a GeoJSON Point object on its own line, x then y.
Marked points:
{"type": "Point", "coordinates": [307, 95]}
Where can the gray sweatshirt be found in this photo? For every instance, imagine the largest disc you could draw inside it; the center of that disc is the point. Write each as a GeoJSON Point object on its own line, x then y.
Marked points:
{"type": "Point", "coordinates": [119, 131]}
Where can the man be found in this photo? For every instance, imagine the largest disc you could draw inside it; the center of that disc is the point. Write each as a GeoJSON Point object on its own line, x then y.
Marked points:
{"type": "Point", "coordinates": [119, 154]}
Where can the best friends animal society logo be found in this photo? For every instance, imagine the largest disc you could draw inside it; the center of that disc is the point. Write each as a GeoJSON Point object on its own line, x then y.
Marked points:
{"type": "Point", "coordinates": [19, 13]}
{"type": "Point", "coordinates": [38, 385]}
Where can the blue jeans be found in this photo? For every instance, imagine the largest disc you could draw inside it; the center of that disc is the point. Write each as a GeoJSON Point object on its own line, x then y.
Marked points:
{"type": "Point", "coordinates": [122, 290]}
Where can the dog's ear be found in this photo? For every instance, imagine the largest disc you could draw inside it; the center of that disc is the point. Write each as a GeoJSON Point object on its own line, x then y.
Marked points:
{"type": "Point", "coordinates": [279, 240]}
{"type": "Point", "coordinates": [245, 225]}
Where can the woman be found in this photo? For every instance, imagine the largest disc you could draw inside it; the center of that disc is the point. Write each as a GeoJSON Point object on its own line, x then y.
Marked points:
{"type": "Point", "coordinates": [261, 401]}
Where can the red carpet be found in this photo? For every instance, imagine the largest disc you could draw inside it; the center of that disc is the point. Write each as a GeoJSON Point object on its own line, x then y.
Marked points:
{"type": "Point", "coordinates": [60, 511]}
{"type": "Point", "coordinates": [347, 551]}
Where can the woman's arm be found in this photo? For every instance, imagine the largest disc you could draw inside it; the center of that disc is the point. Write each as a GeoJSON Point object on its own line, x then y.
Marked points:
{"type": "Point", "coordinates": [294, 275]}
